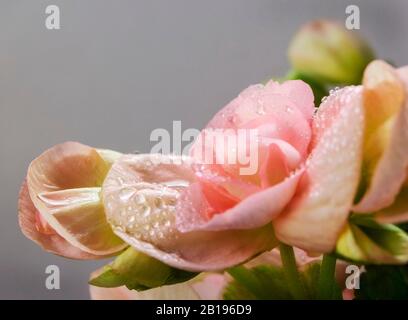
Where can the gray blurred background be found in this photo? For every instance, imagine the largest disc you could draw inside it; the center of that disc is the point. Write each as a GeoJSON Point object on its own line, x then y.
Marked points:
{"type": "Point", "coordinates": [116, 70]}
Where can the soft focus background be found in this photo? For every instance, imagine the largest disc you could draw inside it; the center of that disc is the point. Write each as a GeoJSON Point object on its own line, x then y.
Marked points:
{"type": "Point", "coordinates": [116, 70]}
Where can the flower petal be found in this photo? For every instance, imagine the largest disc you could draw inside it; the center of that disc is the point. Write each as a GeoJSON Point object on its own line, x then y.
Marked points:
{"type": "Point", "coordinates": [78, 215]}
{"type": "Point", "coordinates": [320, 209]}
{"type": "Point", "coordinates": [280, 111]}
{"type": "Point", "coordinates": [140, 195]}
{"type": "Point", "coordinates": [253, 212]}
{"type": "Point", "coordinates": [53, 242]}
{"type": "Point", "coordinates": [67, 165]}
{"type": "Point", "coordinates": [387, 114]}
{"type": "Point", "coordinates": [64, 184]}
{"type": "Point", "coordinates": [301, 94]}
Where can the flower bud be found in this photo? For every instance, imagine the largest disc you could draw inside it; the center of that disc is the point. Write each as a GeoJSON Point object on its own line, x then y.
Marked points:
{"type": "Point", "coordinates": [327, 52]}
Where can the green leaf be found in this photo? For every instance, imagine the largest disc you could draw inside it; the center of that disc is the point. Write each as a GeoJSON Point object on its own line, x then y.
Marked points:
{"type": "Point", "coordinates": [236, 291]}
{"type": "Point", "coordinates": [311, 275]}
{"type": "Point", "coordinates": [260, 282]}
{"type": "Point", "coordinates": [310, 278]}
{"type": "Point", "coordinates": [268, 283]}
{"type": "Point", "coordinates": [138, 271]}
{"type": "Point", "coordinates": [383, 283]}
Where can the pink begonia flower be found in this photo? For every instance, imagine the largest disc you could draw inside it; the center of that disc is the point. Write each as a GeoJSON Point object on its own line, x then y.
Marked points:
{"type": "Point", "coordinates": [224, 198]}
{"type": "Point", "coordinates": [310, 173]}
{"type": "Point", "coordinates": [358, 163]}
{"type": "Point", "coordinates": [59, 204]}
{"type": "Point", "coordinates": [198, 216]}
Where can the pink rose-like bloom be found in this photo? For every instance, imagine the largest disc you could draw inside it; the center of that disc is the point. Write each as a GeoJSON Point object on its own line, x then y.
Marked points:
{"type": "Point", "coordinates": [208, 216]}
{"type": "Point", "coordinates": [225, 196]}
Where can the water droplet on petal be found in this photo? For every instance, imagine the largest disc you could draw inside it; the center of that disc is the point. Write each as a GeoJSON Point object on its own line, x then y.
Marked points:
{"type": "Point", "coordinates": [126, 193]}
{"type": "Point", "coordinates": [260, 109]}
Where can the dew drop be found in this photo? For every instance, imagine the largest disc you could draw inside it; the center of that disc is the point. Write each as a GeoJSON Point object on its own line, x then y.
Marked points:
{"type": "Point", "coordinates": [232, 119]}
{"type": "Point", "coordinates": [140, 199]}
{"type": "Point", "coordinates": [176, 183]}
{"type": "Point", "coordinates": [145, 211]}
{"type": "Point", "coordinates": [260, 109]}
{"type": "Point", "coordinates": [126, 193]}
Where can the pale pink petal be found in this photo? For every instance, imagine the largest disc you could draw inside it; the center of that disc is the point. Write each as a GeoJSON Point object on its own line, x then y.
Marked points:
{"type": "Point", "coordinates": [221, 189]}
{"type": "Point", "coordinates": [390, 171]}
{"type": "Point", "coordinates": [301, 93]}
{"type": "Point", "coordinates": [280, 119]}
{"type": "Point", "coordinates": [319, 211]}
{"type": "Point", "coordinates": [270, 162]}
{"type": "Point", "coordinates": [64, 185]}
{"type": "Point", "coordinates": [206, 251]}
{"type": "Point", "coordinates": [253, 212]}
{"type": "Point", "coordinates": [68, 165]}
{"type": "Point", "coordinates": [78, 216]}
{"type": "Point", "coordinates": [192, 208]}
{"type": "Point", "coordinates": [217, 197]}
{"type": "Point", "coordinates": [274, 168]}
{"type": "Point", "coordinates": [140, 194]}
{"type": "Point", "coordinates": [281, 111]}
{"type": "Point", "coordinates": [53, 242]}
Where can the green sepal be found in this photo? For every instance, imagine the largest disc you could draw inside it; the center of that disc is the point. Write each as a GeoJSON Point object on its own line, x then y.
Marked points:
{"type": "Point", "coordinates": [138, 271]}
{"type": "Point", "coordinates": [366, 241]}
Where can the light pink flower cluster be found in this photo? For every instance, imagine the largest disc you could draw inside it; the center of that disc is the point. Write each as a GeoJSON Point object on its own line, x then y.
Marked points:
{"type": "Point", "coordinates": [314, 168]}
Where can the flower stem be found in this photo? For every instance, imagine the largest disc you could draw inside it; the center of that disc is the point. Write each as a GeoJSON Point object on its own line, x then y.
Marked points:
{"type": "Point", "coordinates": [325, 290]}
{"type": "Point", "coordinates": [291, 272]}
